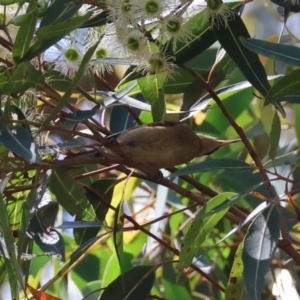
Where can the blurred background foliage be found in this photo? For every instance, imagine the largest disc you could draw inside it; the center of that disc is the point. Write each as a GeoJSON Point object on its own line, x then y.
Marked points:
{"type": "Point", "coordinates": [225, 226]}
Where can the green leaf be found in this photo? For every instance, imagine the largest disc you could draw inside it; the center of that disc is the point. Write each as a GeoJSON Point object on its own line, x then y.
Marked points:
{"type": "Point", "coordinates": [285, 53]}
{"type": "Point", "coordinates": [6, 240]}
{"type": "Point", "coordinates": [235, 286]}
{"type": "Point", "coordinates": [98, 20]}
{"type": "Point", "coordinates": [19, 141]}
{"type": "Point", "coordinates": [49, 35]}
{"type": "Point", "coordinates": [68, 92]}
{"type": "Point", "coordinates": [214, 164]}
{"type": "Point", "coordinates": [274, 136]}
{"type": "Point", "coordinates": [158, 108]}
{"type": "Point", "coordinates": [247, 61]}
{"type": "Point", "coordinates": [118, 234]}
{"type": "Point", "coordinates": [25, 35]}
{"type": "Point", "coordinates": [259, 245]}
{"type": "Point", "coordinates": [69, 194]}
{"type": "Point", "coordinates": [152, 89]}
{"type": "Point", "coordinates": [200, 228]}
{"type": "Point", "coordinates": [105, 189]}
{"type": "Point", "coordinates": [202, 37]}
{"type": "Point", "coordinates": [59, 11]}
{"type": "Point", "coordinates": [134, 284]}
{"type": "Point", "coordinates": [287, 85]}
{"type": "Point", "coordinates": [297, 122]}
{"type": "Point", "coordinates": [23, 77]}
{"type": "Point", "coordinates": [173, 287]}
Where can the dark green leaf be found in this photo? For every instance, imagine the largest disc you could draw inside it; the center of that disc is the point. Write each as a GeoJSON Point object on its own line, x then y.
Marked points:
{"type": "Point", "coordinates": [259, 246]}
{"type": "Point", "coordinates": [25, 35]}
{"type": "Point", "coordinates": [6, 240]}
{"type": "Point", "coordinates": [49, 35]}
{"type": "Point", "coordinates": [22, 78]}
{"type": "Point", "coordinates": [69, 194]}
{"type": "Point", "coordinates": [229, 35]}
{"type": "Point", "coordinates": [219, 163]}
{"type": "Point", "coordinates": [202, 37]}
{"type": "Point", "coordinates": [19, 141]}
{"type": "Point", "coordinates": [287, 85]}
{"type": "Point", "coordinates": [80, 115]}
{"type": "Point", "coordinates": [59, 11]}
{"type": "Point", "coordinates": [98, 20]}
{"type": "Point", "coordinates": [285, 53]}
{"type": "Point", "coordinates": [118, 234]}
{"type": "Point", "coordinates": [102, 200]}
{"type": "Point", "coordinates": [134, 284]}
{"type": "Point", "coordinates": [62, 28]}
{"type": "Point", "coordinates": [274, 136]}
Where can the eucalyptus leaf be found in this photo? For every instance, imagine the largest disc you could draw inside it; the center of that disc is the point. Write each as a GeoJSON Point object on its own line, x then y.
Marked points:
{"type": "Point", "coordinates": [259, 246]}
{"type": "Point", "coordinates": [19, 141]}
{"type": "Point", "coordinates": [285, 53]}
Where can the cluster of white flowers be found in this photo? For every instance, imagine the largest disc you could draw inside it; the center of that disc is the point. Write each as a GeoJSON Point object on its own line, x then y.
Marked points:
{"type": "Point", "coordinates": [138, 33]}
{"type": "Point", "coordinates": [135, 35]}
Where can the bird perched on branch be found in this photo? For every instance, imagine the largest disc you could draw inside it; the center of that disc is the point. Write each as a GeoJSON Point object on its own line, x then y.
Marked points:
{"type": "Point", "coordinates": [159, 145]}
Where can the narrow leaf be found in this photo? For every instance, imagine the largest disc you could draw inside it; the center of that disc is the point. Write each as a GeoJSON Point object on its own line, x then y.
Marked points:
{"type": "Point", "coordinates": [134, 284]}
{"type": "Point", "coordinates": [233, 165]}
{"type": "Point", "coordinates": [235, 286]}
{"type": "Point", "coordinates": [49, 35]}
{"type": "Point", "coordinates": [6, 238]}
{"type": "Point", "coordinates": [248, 62]}
{"type": "Point", "coordinates": [25, 35]}
{"type": "Point", "coordinates": [59, 11]}
{"type": "Point", "coordinates": [22, 78]}
{"type": "Point", "coordinates": [285, 53]}
{"type": "Point", "coordinates": [274, 136]}
{"type": "Point", "coordinates": [200, 228]}
{"type": "Point", "coordinates": [287, 85]}
{"type": "Point", "coordinates": [19, 141]}
{"type": "Point", "coordinates": [259, 245]}
{"type": "Point", "coordinates": [68, 193]}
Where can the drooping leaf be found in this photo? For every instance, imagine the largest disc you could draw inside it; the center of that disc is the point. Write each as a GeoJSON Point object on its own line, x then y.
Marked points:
{"type": "Point", "coordinates": [218, 163]}
{"type": "Point", "coordinates": [285, 53]}
{"type": "Point", "coordinates": [51, 34]}
{"type": "Point", "coordinates": [274, 136]}
{"type": "Point", "coordinates": [201, 37]}
{"type": "Point", "coordinates": [287, 85]}
{"type": "Point", "coordinates": [98, 20]}
{"type": "Point", "coordinates": [228, 35]}
{"type": "Point", "coordinates": [25, 34]}
{"type": "Point", "coordinates": [21, 79]}
{"type": "Point", "coordinates": [200, 228]}
{"type": "Point", "coordinates": [134, 284]}
{"type": "Point", "coordinates": [7, 242]}
{"type": "Point", "coordinates": [19, 141]}
{"type": "Point", "coordinates": [259, 245]}
{"type": "Point", "coordinates": [69, 194]}
{"type": "Point", "coordinates": [235, 286]}
{"type": "Point", "coordinates": [59, 11]}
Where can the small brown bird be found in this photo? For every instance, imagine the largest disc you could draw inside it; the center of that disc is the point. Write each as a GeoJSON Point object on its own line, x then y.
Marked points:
{"type": "Point", "coordinates": [159, 145]}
